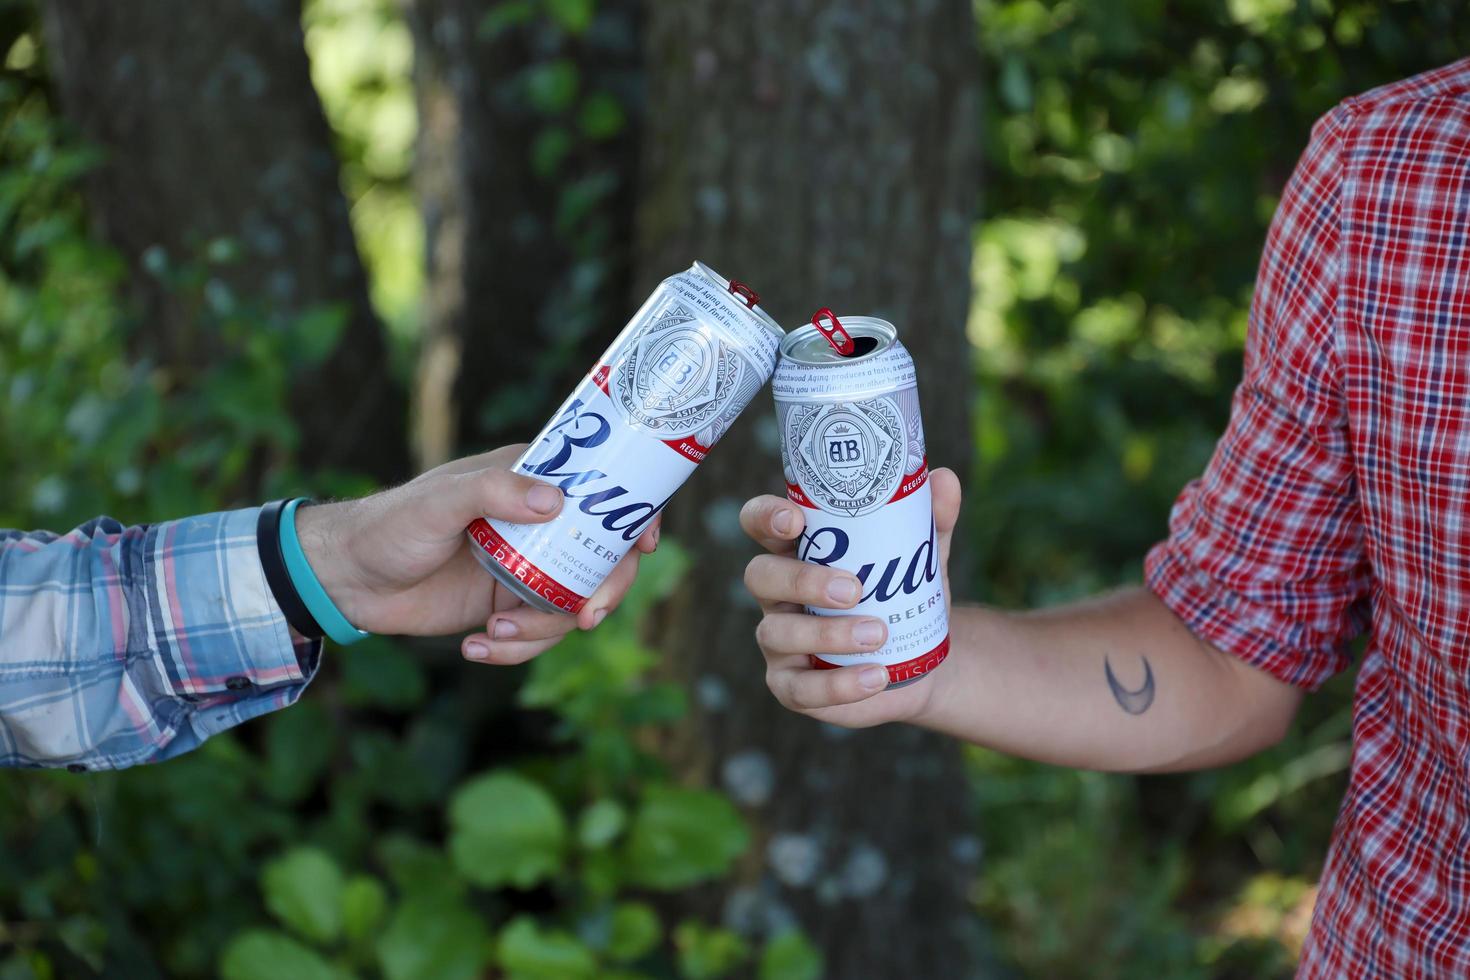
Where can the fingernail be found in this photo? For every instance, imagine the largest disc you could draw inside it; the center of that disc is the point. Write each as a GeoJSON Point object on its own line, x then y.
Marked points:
{"type": "Point", "coordinates": [782, 522]}
{"type": "Point", "coordinates": [504, 629]}
{"type": "Point", "coordinates": [657, 530]}
{"type": "Point", "coordinates": [476, 650]}
{"type": "Point", "coordinates": [842, 590]}
{"type": "Point", "coordinates": [868, 633]}
{"type": "Point", "coordinates": [543, 499]}
{"type": "Point", "coordinates": [873, 678]}
{"type": "Point", "coordinates": [599, 616]}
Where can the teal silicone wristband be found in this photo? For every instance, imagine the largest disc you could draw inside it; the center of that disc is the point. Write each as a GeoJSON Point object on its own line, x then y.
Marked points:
{"type": "Point", "coordinates": [318, 603]}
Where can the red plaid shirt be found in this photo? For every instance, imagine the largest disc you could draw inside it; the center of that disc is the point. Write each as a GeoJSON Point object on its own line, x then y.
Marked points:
{"type": "Point", "coordinates": [1339, 499]}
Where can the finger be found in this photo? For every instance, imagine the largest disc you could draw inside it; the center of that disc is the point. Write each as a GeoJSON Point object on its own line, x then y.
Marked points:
{"type": "Point", "coordinates": [782, 634]}
{"type": "Point", "coordinates": [648, 540]}
{"type": "Point", "coordinates": [482, 649]}
{"type": "Point", "coordinates": [801, 688]}
{"type": "Point", "coordinates": [945, 488]}
{"type": "Point", "coordinates": [524, 622]}
{"type": "Point", "coordinates": [501, 458]}
{"type": "Point", "coordinates": [773, 523]}
{"type": "Point", "coordinates": [773, 579]}
{"type": "Point", "coordinates": [455, 500]}
{"type": "Point", "coordinates": [610, 592]}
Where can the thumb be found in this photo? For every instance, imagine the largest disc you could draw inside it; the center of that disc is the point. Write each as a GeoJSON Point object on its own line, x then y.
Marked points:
{"type": "Point", "coordinates": [945, 489]}
{"type": "Point", "coordinates": [498, 493]}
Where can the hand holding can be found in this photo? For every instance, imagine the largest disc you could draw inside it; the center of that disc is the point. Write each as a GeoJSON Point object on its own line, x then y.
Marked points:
{"type": "Point", "coordinates": [852, 447]}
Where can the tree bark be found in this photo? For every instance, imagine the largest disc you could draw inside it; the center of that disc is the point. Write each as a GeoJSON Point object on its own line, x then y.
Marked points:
{"type": "Point", "coordinates": [826, 154]}
{"type": "Point", "coordinates": [212, 129]}
{"type": "Point", "coordinates": [516, 290]}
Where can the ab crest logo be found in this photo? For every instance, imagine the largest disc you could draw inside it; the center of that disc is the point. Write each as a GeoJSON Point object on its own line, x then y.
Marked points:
{"type": "Point", "coordinates": [849, 456]}
{"type": "Point", "coordinates": [676, 379]}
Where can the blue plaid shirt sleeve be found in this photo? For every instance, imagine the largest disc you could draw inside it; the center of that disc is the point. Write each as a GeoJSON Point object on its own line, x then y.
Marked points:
{"type": "Point", "coordinates": [122, 645]}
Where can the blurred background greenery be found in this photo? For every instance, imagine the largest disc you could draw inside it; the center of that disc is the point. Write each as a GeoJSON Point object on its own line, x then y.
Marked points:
{"type": "Point", "coordinates": [406, 820]}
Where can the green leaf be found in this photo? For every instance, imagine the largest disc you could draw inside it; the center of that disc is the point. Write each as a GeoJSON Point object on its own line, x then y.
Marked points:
{"type": "Point", "coordinates": [548, 150]}
{"type": "Point", "coordinates": [526, 952]}
{"type": "Point", "coordinates": [657, 704]}
{"type": "Point", "coordinates": [575, 16]}
{"type": "Point", "coordinates": [552, 85]}
{"type": "Point", "coordinates": [601, 116]}
{"type": "Point", "coordinates": [263, 954]}
{"type": "Point", "coordinates": [506, 830]}
{"type": "Point", "coordinates": [504, 16]}
{"type": "Point", "coordinates": [601, 823]}
{"type": "Point", "coordinates": [791, 956]}
{"type": "Point", "coordinates": [364, 902]}
{"type": "Point", "coordinates": [419, 869]}
{"type": "Point", "coordinates": [433, 939]}
{"type": "Point", "coordinates": [636, 930]}
{"type": "Point", "coordinates": [303, 889]}
{"type": "Point", "coordinates": [681, 837]}
{"type": "Point", "coordinates": [380, 674]}
{"type": "Point", "coordinates": [706, 953]}
{"type": "Point", "coordinates": [317, 332]}
{"type": "Point", "coordinates": [658, 575]}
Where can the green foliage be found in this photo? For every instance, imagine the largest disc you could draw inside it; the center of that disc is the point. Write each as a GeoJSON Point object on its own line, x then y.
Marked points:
{"type": "Point", "coordinates": [506, 830]}
{"type": "Point", "coordinates": [681, 837]}
{"type": "Point", "coordinates": [708, 954]}
{"type": "Point", "coordinates": [304, 889]}
{"type": "Point", "coordinates": [526, 952]}
{"type": "Point", "coordinates": [791, 956]}
{"type": "Point", "coordinates": [266, 955]}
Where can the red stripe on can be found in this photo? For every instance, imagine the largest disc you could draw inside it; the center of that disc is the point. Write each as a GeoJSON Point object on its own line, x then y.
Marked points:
{"type": "Point", "coordinates": [523, 570]}
{"type": "Point", "coordinates": [794, 494]}
{"type": "Point", "coordinates": [905, 671]}
{"type": "Point", "coordinates": [599, 378]}
{"type": "Point", "coordinates": [912, 482]}
{"type": "Point", "coordinates": [688, 448]}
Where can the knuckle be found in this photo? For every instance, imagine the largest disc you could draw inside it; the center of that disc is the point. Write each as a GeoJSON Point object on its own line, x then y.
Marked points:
{"type": "Point", "coordinates": [752, 569]}
{"type": "Point", "coordinates": [810, 582]}
{"type": "Point", "coordinates": [835, 634]}
{"type": "Point", "coordinates": [763, 635]}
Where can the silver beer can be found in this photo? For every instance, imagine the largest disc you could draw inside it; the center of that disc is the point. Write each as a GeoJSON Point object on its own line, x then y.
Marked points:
{"type": "Point", "coordinates": [852, 447]}
{"type": "Point", "coordinates": [631, 433]}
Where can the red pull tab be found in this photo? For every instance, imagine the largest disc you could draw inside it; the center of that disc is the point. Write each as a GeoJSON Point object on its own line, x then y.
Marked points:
{"type": "Point", "coordinates": [836, 334]}
{"type": "Point", "coordinates": [740, 289]}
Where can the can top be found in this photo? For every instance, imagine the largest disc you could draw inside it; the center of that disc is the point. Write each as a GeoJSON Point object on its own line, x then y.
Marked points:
{"type": "Point", "coordinates": [741, 295]}
{"type": "Point", "coordinates": [870, 335]}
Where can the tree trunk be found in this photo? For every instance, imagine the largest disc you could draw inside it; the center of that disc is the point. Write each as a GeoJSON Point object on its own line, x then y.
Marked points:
{"type": "Point", "coordinates": [212, 130]}
{"type": "Point", "coordinates": [824, 153]}
{"type": "Point", "coordinates": [518, 278]}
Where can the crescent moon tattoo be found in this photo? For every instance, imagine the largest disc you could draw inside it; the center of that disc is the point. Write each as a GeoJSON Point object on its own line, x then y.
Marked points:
{"type": "Point", "coordinates": [1135, 702]}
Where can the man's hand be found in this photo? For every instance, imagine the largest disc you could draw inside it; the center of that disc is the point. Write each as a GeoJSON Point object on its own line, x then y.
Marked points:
{"type": "Point", "coordinates": [788, 634]}
{"type": "Point", "coordinates": [399, 561]}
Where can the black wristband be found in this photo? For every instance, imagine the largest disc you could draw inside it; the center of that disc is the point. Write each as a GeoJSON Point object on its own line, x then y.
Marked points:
{"type": "Point", "coordinates": [268, 541]}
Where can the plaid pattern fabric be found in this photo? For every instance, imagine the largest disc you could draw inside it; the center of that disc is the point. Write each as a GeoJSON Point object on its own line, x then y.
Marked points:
{"type": "Point", "coordinates": [1339, 499]}
{"type": "Point", "coordinates": [121, 645]}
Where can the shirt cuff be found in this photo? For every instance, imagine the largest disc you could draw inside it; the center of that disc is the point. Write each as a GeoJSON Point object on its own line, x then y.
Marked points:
{"type": "Point", "coordinates": [222, 645]}
{"type": "Point", "coordinates": [1255, 633]}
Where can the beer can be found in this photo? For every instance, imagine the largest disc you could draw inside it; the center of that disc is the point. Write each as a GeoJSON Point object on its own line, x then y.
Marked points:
{"type": "Point", "coordinates": [852, 447]}
{"type": "Point", "coordinates": [631, 433]}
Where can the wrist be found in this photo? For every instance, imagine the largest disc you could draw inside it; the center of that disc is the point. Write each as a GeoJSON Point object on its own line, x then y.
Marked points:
{"type": "Point", "coordinates": [323, 532]}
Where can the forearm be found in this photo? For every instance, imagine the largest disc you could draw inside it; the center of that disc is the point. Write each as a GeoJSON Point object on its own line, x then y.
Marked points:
{"type": "Point", "coordinates": [121, 645]}
{"type": "Point", "coordinates": [1116, 683]}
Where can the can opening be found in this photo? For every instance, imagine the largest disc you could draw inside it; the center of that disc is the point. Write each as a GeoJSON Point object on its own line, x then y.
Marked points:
{"type": "Point", "coordinates": [863, 345]}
